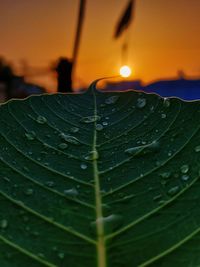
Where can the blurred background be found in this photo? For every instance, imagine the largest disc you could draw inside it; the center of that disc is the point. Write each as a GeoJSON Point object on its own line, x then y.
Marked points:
{"type": "Point", "coordinates": [63, 45]}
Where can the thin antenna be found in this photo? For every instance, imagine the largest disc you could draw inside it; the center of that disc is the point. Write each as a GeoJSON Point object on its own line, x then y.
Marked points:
{"type": "Point", "coordinates": [78, 31]}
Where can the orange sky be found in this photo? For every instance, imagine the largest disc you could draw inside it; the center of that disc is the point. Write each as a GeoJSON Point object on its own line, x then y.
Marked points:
{"type": "Point", "coordinates": [163, 38]}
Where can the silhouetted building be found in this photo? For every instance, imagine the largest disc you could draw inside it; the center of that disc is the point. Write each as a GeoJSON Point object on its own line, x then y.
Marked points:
{"type": "Point", "coordinates": [187, 89]}
{"type": "Point", "coordinates": [13, 86]}
{"type": "Point", "coordinates": [64, 72]}
{"type": "Point", "coordinates": [6, 78]}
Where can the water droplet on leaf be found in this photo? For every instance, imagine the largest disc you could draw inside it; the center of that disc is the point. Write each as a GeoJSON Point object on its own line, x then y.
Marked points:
{"type": "Point", "coordinates": [83, 166]}
{"type": "Point", "coordinates": [74, 130]}
{"type": "Point", "coordinates": [90, 119]}
{"type": "Point", "coordinates": [141, 102]}
{"type": "Point", "coordinates": [99, 127]}
{"type": "Point", "coordinates": [41, 119]}
{"type": "Point", "coordinates": [63, 146]}
{"type": "Point", "coordinates": [185, 177]}
{"type": "Point", "coordinates": [111, 100]}
{"type": "Point", "coordinates": [50, 183]}
{"type": "Point", "coordinates": [184, 168]}
{"type": "Point", "coordinates": [152, 147]}
{"type": "Point", "coordinates": [165, 175]}
{"type": "Point", "coordinates": [73, 192]}
{"type": "Point", "coordinates": [92, 155]}
{"type": "Point", "coordinates": [70, 139]}
{"type": "Point", "coordinates": [3, 224]}
{"type": "Point", "coordinates": [197, 149]}
{"type": "Point", "coordinates": [30, 136]}
{"type": "Point", "coordinates": [174, 190]}
{"type": "Point", "coordinates": [166, 102]}
{"type": "Point", "coordinates": [158, 197]}
{"type": "Point", "coordinates": [29, 191]}
{"type": "Point", "coordinates": [134, 150]}
{"type": "Point", "coordinates": [61, 255]}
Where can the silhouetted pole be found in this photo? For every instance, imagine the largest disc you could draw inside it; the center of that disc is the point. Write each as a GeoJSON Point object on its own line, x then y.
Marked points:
{"type": "Point", "coordinates": [78, 31]}
{"type": "Point", "coordinates": [64, 73]}
{"type": "Point", "coordinates": [65, 67]}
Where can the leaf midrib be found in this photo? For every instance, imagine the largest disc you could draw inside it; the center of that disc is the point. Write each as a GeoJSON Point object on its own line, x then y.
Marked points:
{"type": "Point", "coordinates": [101, 250]}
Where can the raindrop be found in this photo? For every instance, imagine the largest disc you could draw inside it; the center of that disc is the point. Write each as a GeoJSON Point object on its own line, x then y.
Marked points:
{"type": "Point", "coordinates": [145, 148]}
{"type": "Point", "coordinates": [73, 192]}
{"type": "Point", "coordinates": [163, 115]}
{"type": "Point", "coordinates": [102, 105]}
{"type": "Point", "coordinates": [90, 119]}
{"type": "Point", "coordinates": [74, 130]}
{"type": "Point", "coordinates": [112, 219]}
{"type": "Point", "coordinates": [70, 139]}
{"type": "Point", "coordinates": [165, 175]}
{"type": "Point", "coordinates": [99, 127]}
{"type": "Point", "coordinates": [41, 119]}
{"type": "Point", "coordinates": [112, 99]}
{"type": "Point", "coordinates": [166, 102]}
{"type": "Point", "coordinates": [29, 191]}
{"type": "Point", "coordinates": [174, 190]}
{"type": "Point", "coordinates": [158, 197]}
{"type": "Point", "coordinates": [197, 149]}
{"type": "Point", "coordinates": [3, 224]}
{"type": "Point", "coordinates": [134, 150]}
{"type": "Point", "coordinates": [184, 168]}
{"type": "Point", "coordinates": [83, 166]}
{"type": "Point", "coordinates": [141, 102]}
{"type": "Point", "coordinates": [63, 146]}
{"type": "Point", "coordinates": [6, 179]}
{"type": "Point", "coordinates": [30, 136]}
{"type": "Point", "coordinates": [61, 255]}
{"type": "Point", "coordinates": [152, 109]}
{"type": "Point", "coordinates": [185, 177]}
{"type": "Point", "coordinates": [161, 202]}
{"type": "Point", "coordinates": [50, 183]}
{"type": "Point", "coordinates": [92, 155]}
{"type": "Point", "coordinates": [105, 123]}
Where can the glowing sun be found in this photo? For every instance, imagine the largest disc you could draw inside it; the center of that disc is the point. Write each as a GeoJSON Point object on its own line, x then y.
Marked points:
{"type": "Point", "coordinates": [125, 71]}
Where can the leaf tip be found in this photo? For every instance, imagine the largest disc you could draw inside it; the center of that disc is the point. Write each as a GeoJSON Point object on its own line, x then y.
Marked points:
{"type": "Point", "coordinates": [93, 87]}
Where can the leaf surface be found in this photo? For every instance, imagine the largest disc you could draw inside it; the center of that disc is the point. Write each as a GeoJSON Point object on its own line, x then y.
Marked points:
{"type": "Point", "coordinates": [99, 179]}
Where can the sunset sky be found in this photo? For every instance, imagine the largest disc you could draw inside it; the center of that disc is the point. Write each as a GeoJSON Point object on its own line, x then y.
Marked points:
{"type": "Point", "coordinates": [163, 38]}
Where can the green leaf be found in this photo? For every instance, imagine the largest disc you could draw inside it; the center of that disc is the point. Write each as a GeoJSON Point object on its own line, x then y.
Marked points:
{"type": "Point", "coordinates": [99, 179]}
